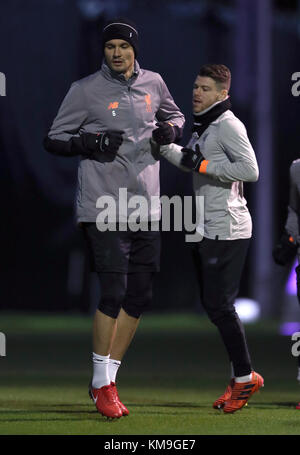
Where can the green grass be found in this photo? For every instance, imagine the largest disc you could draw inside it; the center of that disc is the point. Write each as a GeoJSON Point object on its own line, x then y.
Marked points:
{"type": "Point", "coordinates": [173, 371]}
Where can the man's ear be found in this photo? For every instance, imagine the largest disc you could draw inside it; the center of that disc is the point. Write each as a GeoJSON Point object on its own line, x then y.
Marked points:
{"type": "Point", "coordinates": [223, 94]}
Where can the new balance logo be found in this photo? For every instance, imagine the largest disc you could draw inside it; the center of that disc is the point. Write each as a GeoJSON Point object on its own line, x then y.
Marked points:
{"type": "Point", "coordinates": [113, 105]}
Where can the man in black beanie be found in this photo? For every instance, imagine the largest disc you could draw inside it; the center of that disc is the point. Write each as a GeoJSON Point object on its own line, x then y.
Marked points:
{"type": "Point", "coordinates": [108, 119]}
{"type": "Point", "coordinates": [124, 30]}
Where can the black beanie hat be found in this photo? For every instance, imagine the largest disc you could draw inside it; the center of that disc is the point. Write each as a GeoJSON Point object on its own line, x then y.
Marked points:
{"type": "Point", "coordinates": [121, 29]}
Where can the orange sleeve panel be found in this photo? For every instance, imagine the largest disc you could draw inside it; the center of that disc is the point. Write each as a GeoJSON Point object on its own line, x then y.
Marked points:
{"type": "Point", "coordinates": [203, 166]}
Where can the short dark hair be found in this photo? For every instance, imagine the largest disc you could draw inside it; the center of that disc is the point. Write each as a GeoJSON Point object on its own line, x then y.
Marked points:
{"type": "Point", "coordinates": [219, 73]}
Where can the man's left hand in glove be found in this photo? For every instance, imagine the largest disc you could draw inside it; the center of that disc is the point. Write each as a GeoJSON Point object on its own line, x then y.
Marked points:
{"type": "Point", "coordinates": [166, 133]}
{"type": "Point", "coordinates": [192, 159]}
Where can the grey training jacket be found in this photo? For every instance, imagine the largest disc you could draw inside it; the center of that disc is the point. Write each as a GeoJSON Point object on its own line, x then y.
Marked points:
{"type": "Point", "coordinates": [104, 101]}
{"type": "Point", "coordinates": [292, 225]}
{"type": "Point", "coordinates": [230, 161]}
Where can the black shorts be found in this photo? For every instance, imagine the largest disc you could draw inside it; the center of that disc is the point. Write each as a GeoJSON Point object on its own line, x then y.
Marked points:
{"type": "Point", "coordinates": [219, 265]}
{"type": "Point", "coordinates": [122, 251]}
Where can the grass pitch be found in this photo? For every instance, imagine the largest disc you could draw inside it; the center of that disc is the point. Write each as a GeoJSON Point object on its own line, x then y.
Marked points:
{"type": "Point", "coordinates": [173, 371]}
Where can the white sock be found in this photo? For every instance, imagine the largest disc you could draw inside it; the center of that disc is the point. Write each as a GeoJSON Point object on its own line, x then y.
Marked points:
{"type": "Point", "coordinates": [246, 378]}
{"type": "Point", "coordinates": [100, 371]}
{"type": "Point", "coordinates": [113, 367]}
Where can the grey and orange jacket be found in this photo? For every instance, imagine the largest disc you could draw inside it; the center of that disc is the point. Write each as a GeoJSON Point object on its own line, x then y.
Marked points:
{"type": "Point", "coordinates": [222, 211]}
{"type": "Point", "coordinates": [105, 101]}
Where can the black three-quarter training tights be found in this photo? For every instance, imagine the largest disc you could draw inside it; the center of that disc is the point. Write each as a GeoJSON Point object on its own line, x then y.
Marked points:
{"type": "Point", "coordinates": [130, 291]}
{"type": "Point", "coordinates": [219, 266]}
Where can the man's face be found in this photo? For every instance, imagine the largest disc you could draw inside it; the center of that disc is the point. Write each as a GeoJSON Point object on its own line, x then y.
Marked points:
{"type": "Point", "coordinates": [205, 93]}
{"type": "Point", "coordinates": [119, 56]}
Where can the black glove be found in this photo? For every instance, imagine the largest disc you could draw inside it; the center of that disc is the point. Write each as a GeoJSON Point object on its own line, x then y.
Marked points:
{"type": "Point", "coordinates": [155, 149]}
{"type": "Point", "coordinates": [110, 141]}
{"type": "Point", "coordinates": [286, 249]}
{"type": "Point", "coordinates": [166, 133]}
{"type": "Point", "coordinates": [192, 159]}
{"type": "Point", "coordinates": [100, 147]}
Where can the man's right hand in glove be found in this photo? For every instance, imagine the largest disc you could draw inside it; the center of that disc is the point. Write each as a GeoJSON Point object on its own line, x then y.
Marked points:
{"type": "Point", "coordinates": [104, 146]}
{"type": "Point", "coordinates": [110, 141]}
{"type": "Point", "coordinates": [99, 147]}
{"type": "Point", "coordinates": [285, 250]}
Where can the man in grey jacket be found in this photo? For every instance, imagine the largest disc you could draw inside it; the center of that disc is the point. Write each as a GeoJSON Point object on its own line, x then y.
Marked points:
{"type": "Point", "coordinates": [107, 119]}
{"type": "Point", "coordinates": [289, 245]}
{"type": "Point", "coordinates": [221, 158]}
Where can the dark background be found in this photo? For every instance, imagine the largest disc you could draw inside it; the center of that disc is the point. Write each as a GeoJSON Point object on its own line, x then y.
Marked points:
{"type": "Point", "coordinates": [46, 45]}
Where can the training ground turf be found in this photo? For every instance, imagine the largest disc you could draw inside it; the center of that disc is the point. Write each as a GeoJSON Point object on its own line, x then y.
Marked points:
{"type": "Point", "coordinates": [175, 368]}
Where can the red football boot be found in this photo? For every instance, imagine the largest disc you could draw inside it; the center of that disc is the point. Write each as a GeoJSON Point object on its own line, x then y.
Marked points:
{"type": "Point", "coordinates": [298, 405]}
{"type": "Point", "coordinates": [242, 391]}
{"type": "Point", "coordinates": [121, 405]}
{"type": "Point", "coordinates": [220, 402]}
{"type": "Point", "coordinates": [105, 401]}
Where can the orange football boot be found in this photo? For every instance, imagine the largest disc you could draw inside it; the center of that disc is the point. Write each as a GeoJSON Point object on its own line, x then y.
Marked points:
{"type": "Point", "coordinates": [241, 392]}
{"type": "Point", "coordinates": [219, 403]}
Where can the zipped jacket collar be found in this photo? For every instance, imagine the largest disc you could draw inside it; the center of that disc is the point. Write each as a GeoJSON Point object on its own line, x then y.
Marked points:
{"type": "Point", "coordinates": [109, 74]}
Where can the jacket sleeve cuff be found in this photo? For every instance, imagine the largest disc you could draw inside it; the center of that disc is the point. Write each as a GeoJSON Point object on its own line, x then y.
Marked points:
{"type": "Point", "coordinates": [177, 131]}
{"type": "Point", "coordinates": [203, 166]}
